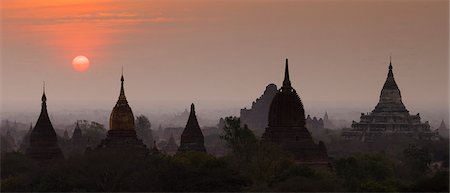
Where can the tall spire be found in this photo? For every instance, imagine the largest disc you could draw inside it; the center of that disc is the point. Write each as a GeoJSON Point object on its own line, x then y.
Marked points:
{"type": "Point", "coordinates": [122, 91]}
{"type": "Point", "coordinates": [44, 98]}
{"type": "Point", "coordinates": [391, 74]}
{"type": "Point", "coordinates": [192, 108]}
{"type": "Point", "coordinates": [286, 81]}
{"type": "Point", "coordinates": [390, 81]}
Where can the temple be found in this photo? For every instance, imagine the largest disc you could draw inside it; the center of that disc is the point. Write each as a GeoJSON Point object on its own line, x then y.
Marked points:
{"type": "Point", "coordinates": [77, 141]}
{"type": "Point", "coordinates": [43, 144]}
{"type": "Point", "coordinates": [287, 128]}
{"type": "Point", "coordinates": [314, 123]}
{"type": "Point", "coordinates": [122, 134]}
{"type": "Point", "coordinates": [390, 118]}
{"type": "Point", "coordinates": [192, 137]}
{"type": "Point", "coordinates": [171, 147]}
{"type": "Point", "coordinates": [443, 130]}
{"type": "Point", "coordinates": [256, 117]}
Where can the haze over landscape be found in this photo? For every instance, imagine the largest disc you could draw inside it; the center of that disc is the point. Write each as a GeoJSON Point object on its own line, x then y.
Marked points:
{"type": "Point", "coordinates": [221, 55]}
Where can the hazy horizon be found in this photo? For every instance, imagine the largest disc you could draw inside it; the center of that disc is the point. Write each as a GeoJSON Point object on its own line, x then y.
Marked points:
{"type": "Point", "coordinates": [220, 55]}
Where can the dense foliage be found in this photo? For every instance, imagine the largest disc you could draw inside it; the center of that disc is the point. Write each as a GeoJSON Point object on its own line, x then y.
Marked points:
{"type": "Point", "coordinates": [251, 165]}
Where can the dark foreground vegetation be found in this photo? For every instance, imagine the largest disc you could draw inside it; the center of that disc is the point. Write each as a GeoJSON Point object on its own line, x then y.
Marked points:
{"type": "Point", "coordinates": [251, 165]}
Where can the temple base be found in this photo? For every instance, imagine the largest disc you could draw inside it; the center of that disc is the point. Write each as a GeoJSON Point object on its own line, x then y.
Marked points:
{"type": "Point", "coordinates": [123, 140]}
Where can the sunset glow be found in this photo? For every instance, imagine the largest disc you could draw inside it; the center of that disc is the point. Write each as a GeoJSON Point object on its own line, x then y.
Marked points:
{"type": "Point", "coordinates": [80, 63]}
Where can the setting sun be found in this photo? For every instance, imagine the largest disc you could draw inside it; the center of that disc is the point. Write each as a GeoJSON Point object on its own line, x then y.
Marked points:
{"type": "Point", "coordinates": [80, 63]}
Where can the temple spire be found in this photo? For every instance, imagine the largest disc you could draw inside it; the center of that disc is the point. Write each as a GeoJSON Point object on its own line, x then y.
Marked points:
{"type": "Point", "coordinates": [192, 108]}
{"type": "Point", "coordinates": [44, 98]}
{"type": "Point", "coordinates": [286, 81]}
{"type": "Point", "coordinates": [122, 91]}
{"type": "Point", "coordinates": [390, 73]}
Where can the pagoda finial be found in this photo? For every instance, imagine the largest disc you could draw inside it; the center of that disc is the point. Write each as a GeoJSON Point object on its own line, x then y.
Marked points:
{"type": "Point", "coordinates": [44, 98]}
{"type": "Point", "coordinates": [122, 90]}
{"type": "Point", "coordinates": [390, 73]}
{"type": "Point", "coordinates": [390, 62]}
{"type": "Point", "coordinates": [286, 81]}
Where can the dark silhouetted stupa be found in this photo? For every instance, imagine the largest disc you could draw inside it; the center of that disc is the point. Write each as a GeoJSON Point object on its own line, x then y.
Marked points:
{"type": "Point", "coordinates": [121, 133]}
{"type": "Point", "coordinates": [287, 128]}
{"type": "Point", "coordinates": [43, 140]}
{"type": "Point", "coordinates": [192, 137]}
{"type": "Point", "coordinates": [390, 118]}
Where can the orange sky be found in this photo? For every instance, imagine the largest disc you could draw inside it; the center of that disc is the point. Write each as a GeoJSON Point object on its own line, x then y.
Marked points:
{"type": "Point", "coordinates": [222, 53]}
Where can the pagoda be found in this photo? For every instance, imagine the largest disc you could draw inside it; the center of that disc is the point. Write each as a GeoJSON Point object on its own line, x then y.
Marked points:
{"type": "Point", "coordinates": [192, 137]}
{"type": "Point", "coordinates": [389, 118]}
{"type": "Point", "coordinates": [77, 141]}
{"type": "Point", "coordinates": [287, 128]}
{"type": "Point", "coordinates": [43, 144]}
{"type": "Point", "coordinates": [122, 134]}
{"type": "Point", "coordinates": [171, 147]}
{"type": "Point", "coordinates": [443, 130]}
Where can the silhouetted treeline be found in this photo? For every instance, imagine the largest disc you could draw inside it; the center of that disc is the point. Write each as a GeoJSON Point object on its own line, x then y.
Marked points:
{"type": "Point", "coordinates": [251, 165]}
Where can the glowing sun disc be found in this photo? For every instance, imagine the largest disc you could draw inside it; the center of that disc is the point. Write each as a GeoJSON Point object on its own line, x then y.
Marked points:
{"type": "Point", "coordinates": [80, 63]}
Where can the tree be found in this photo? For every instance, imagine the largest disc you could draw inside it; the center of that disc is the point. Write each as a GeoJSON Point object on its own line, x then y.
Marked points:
{"type": "Point", "coordinates": [143, 130]}
{"type": "Point", "coordinates": [367, 173]}
{"type": "Point", "coordinates": [239, 139]}
{"type": "Point", "coordinates": [93, 132]}
{"type": "Point", "coordinates": [417, 160]}
{"type": "Point", "coordinates": [259, 161]}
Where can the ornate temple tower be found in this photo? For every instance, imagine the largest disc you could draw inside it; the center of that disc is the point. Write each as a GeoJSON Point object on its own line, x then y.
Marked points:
{"type": "Point", "coordinates": [121, 133]}
{"type": "Point", "coordinates": [43, 140]}
{"type": "Point", "coordinates": [287, 127]}
{"type": "Point", "coordinates": [192, 137]}
{"type": "Point", "coordinates": [390, 118]}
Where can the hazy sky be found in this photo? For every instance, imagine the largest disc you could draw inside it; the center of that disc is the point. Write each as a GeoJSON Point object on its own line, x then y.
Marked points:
{"type": "Point", "coordinates": [222, 53]}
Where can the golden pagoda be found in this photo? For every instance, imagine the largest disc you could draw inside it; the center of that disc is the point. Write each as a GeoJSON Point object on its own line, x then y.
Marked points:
{"type": "Point", "coordinates": [122, 134]}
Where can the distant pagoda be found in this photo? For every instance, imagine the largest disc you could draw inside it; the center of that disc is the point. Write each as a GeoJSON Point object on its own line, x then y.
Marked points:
{"type": "Point", "coordinates": [43, 144]}
{"type": "Point", "coordinates": [171, 147]}
{"type": "Point", "coordinates": [443, 130]}
{"type": "Point", "coordinates": [390, 118]}
{"type": "Point", "coordinates": [192, 137]}
{"type": "Point", "coordinates": [287, 128]}
{"type": "Point", "coordinates": [77, 141]}
{"type": "Point", "coordinates": [122, 134]}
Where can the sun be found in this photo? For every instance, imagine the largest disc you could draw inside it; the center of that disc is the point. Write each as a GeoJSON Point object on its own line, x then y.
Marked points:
{"type": "Point", "coordinates": [80, 63]}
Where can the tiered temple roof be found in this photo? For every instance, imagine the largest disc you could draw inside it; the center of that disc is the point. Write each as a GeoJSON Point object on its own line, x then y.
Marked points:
{"type": "Point", "coordinates": [389, 118]}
